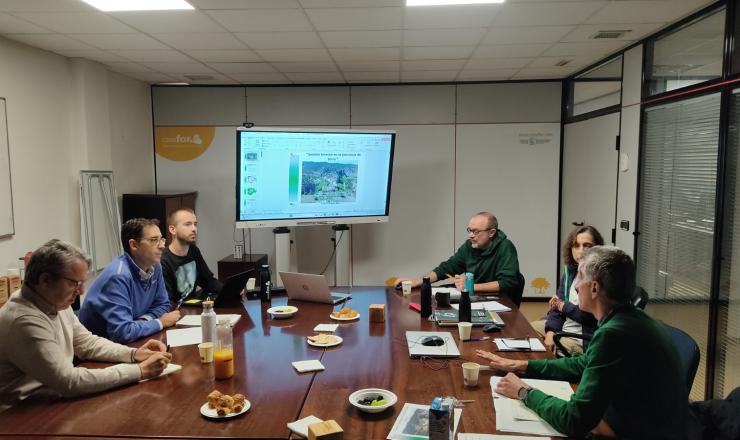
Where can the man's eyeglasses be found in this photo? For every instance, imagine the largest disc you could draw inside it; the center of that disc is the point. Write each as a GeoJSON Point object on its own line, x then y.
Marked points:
{"type": "Point", "coordinates": [78, 283]}
{"type": "Point", "coordinates": [154, 240]}
{"type": "Point", "coordinates": [477, 231]}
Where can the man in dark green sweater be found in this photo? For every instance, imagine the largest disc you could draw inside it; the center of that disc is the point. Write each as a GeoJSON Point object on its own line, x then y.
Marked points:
{"type": "Point", "coordinates": [631, 383]}
{"type": "Point", "coordinates": [487, 254]}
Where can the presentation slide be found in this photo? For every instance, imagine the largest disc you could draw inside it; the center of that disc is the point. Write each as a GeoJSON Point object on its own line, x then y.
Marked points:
{"type": "Point", "coordinates": [291, 175]}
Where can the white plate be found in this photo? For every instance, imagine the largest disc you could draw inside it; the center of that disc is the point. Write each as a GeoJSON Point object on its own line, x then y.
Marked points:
{"type": "Point", "coordinates": [390, 398]}
{"type": "Point", "coordinates": [282, 312]}
{"type": "Point", "coordinates": [344, 319]}
{"type": "Point", "coordinates": [337, 342]}
{"type": "Point", "coordinates": [212, 414]}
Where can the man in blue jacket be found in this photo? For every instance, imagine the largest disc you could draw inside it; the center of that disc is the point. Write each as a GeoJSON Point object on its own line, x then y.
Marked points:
{"type": "Point", "coordinates": [128, 300]}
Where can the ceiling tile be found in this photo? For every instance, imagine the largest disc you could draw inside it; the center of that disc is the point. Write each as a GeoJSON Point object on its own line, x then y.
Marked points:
{"type": "Point", "coordinates": [229, 68]}
{"type": "Point", "coordinates": [44, 6]}
{"type": "Point", "coordinates": [224, 56]}
{"type": "Point", "coordinates": [580, 61]}
{"type": "Point", "coordinates": [497, 63]}
{"type": "Point", "coordinates": [305, 67]}
{"type": "Point", "coordinates": [602, 48]}
{"type": "Point", "coordinates": [294, 55]}
{"type": "Point", "coordinates": [367, 54]}
{"type": "Point", "coordinates": [369, 66]}
{"type": "Point", "coordinates": [486, 75]}
{"type": "Point", "coordinates": [127, 67]}
{"type": "Point", "coordinates": [186, 41]}
{"type": "Point", "coordinates": [350, 3]}
{"type": "Point", "coordinates": [443, 37]}
{"type": "Point", "coordinates": [339, 39]}
{"type": "Point", "coordinates": [120, 41]}
{"type": "Point", "coordinates": [438, 75]}
{"type": "Point", "coordinates": [526, 34]}
{"type": "Point", "coordinates": [50, 41]}
{"type": "Point", "coordinates": [163, 22]}
{"type": "Point", "coordinates": [254, 78]}
{"type": "Point", "coordinates": [372, 77]}
{"type": "Point", "coordinates": [153, 77]}
{"type": "Point", "coordinates": [14, 25]}
{"type": "Point", "coordinates": [245, 4]}
{"type": "Point", "coordinates": [259, 20]}
{"type": "Point", "coordinates": [154, 56]}
{"type": "Point", "coordinates": [353, 19]}
{"type": "Point", "coordinates": [216, 78]}
{"type": "Point", "coordinates": [281, 40]}
{"type": "Point", "coordinates": [510, 50]}
{"type": "Point", "coordinates": [95, 55]}
{"type": "Point", "coordinates": [318, 77]}
{"type": "Point", "coordinates": [179, 68]}
{"type": "Point", "coordinates": [584, 33]}
{"type": "Point", "coordinates": [437, 53]}
{"type": "Point", "coordinates": [642, 11]}
{"type": "Point", "coordinates": [432, 65]}
{"type": "Point", "coordinates": [547, 14]}
{"type": "Point", "coordinates": [77, 22]}
{"type": "Point", "coordinates": [544, 72]}
{"type": "Point", "coordinates": [440, 17]}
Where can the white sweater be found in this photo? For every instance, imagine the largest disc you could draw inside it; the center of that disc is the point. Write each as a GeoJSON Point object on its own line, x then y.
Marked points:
{"type": "Point", "coordinates": [37, 346]}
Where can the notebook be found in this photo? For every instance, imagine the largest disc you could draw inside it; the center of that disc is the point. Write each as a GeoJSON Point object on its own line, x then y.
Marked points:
{"type": "Point", "coordinates": [477, 317]}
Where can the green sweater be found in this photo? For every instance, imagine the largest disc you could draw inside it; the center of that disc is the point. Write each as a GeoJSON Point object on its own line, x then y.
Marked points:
{"type": "Point", "coordinates": [497, 262]}
{"type": "Point", "coordinates": [630, 376]}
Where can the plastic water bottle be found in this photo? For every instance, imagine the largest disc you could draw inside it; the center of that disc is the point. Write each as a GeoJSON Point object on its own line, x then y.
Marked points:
{"type": "Point", "coordinates": [208, 321]}
{"type": "Point", "coordinates": [426, 297]}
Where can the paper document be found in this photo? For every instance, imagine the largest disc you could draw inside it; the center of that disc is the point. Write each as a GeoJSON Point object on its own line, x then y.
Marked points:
{"type": "Point", "coordinates": [184, 336]}
{"type": "Point", "coordinates": [466, 436]}
{"type": "Point", "coordinates": [486, 305]}
{"type": "Point", "coordinates": [169, 369]}
{"type": "Point", "coordinates": [519, 344]}
{"type": "Point", "coordinates": [194, 320]}
{"type": "Point", "coordinates": [507, 410]}
{"type": "Point", "coordinates": [326, 328]}
{"type": "Point", "coordinates": [306, 366]}
{"type": "Point", "coordinates": [300, 427]}
{"type": "Point", "coordinates": [412, 422]}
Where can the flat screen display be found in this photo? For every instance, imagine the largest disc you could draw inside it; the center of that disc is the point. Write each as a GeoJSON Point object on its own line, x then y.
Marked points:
{"type": "Point", "coordinates": [288, 177]}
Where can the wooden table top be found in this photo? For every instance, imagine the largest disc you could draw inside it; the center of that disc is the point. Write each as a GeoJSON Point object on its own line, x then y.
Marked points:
{"type": "Point", "coordinates": [372, 355]}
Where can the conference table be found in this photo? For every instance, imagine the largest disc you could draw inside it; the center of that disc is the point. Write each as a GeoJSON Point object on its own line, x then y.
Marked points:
{"type": "Point", "coordinates": [372, 355]}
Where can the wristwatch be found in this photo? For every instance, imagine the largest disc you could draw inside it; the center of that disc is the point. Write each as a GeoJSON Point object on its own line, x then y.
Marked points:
{"type": "Point", "coordinates": [523, 393]}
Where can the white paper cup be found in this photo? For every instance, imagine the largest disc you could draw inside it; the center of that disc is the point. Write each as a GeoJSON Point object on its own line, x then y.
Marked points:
{"type": "Point", "coordinates": [464, 329]}
{"type": "Point", "coordinates": [470, 373]}
{"type": "Point", "coordinates": [406, 287]}
{"type": "Point", "coordinates": [206, 352]}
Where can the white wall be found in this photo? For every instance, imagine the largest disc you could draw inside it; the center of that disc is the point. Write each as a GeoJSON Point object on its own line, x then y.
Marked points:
{"type": "Point", "coordinates": [65, 116]}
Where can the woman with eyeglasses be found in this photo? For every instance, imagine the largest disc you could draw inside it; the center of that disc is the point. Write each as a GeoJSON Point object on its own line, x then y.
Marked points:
{"type": "Point", "coordinates": [564, 314]}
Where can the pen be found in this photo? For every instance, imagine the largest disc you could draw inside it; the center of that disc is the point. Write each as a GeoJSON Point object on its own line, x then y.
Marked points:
{"type": "Point", "coordinates": [450, 276]}
{"type": "Point", "coordinates": [168, 348]}
{"type": "Point", "coordinates": [476, 339]}
{"type": "Point", "coordinates": [179, 303]}
{"type": "Point", "coordinates": [466, 401]}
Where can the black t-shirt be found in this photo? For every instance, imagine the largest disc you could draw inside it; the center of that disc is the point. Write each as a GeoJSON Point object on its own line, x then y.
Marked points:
{"type": "Point", "coordinates": [183, 274]}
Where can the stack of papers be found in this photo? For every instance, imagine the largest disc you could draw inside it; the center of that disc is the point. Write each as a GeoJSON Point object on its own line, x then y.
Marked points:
{"type": "Point", "coordinates": [413, 422]}
{"type": "Point", "coordinates": [486, 305]}
{"type": "Point", "coordinates": [194, 320]}
{"type": "Point", "coordinates": [519, 344]}
{"type": "Point", "coordinates": [513, 416]}
{"type": "Point", "coordinates": [306, 366]}
{"type": "Point", "coordinates": [326, 328]}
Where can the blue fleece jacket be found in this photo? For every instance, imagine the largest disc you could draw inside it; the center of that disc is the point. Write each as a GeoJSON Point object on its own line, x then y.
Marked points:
{"type": "Point", "coordinates": [123, 307]}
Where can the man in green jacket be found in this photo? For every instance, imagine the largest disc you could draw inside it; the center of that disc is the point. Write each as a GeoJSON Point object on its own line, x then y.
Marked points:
{"type": "Point", "coordinates": [631, 382]}
{"type": "Point", "coordinates": [487, 254]}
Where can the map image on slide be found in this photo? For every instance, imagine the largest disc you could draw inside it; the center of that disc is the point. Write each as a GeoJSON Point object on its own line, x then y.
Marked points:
{"type": "Point", "coordinates": [329, 182]}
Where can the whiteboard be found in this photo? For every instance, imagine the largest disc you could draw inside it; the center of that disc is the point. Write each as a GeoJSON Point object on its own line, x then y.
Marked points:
{"type": "Point", "coordinates": [7, 227]}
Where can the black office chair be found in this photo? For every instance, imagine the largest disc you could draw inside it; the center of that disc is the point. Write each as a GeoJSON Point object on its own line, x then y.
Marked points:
{"type": "Point", "coordinates": [688, 353]}
{"type": "Point", "coordinates": [639, 299]}
{"type": "Point", "coordinates": [516, 292]}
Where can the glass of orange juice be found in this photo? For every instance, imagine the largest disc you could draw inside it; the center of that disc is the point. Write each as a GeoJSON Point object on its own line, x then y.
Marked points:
{"type": "Point", "coordinates": [223, 357]}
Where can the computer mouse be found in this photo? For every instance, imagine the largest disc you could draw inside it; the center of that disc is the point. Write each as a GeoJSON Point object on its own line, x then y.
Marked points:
{"type": "Point", "coordinates": [489, 328]}
{"type": "Point", "coordinates": [432, 341]}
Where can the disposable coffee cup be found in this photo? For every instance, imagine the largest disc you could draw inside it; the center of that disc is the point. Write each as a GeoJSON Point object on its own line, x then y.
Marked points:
{"type": "Point", "coordinates": [464, 329]}
{"type": "Point", "coordinates": [443, 299]}
{"type": "Point", "coordinates": [206, 352]}
{"type": "Point", "coordinates": [406, 286]}
{"type": "Point", "coordinates": [470, 373]}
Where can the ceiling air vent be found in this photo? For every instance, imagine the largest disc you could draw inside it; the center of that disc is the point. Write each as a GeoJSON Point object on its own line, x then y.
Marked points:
{"type": "Point", "coordinates": [562, 63]}
{"type": "Point", "coordinates": [199, 77]}
{"type": "Point", "coordinates": [610, 34]}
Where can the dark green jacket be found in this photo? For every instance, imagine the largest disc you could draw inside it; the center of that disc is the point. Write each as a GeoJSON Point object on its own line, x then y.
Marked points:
{"type": "Point", "coordinates": [630, 376]}
{"type": "Point", "coordinates": [497, 262]}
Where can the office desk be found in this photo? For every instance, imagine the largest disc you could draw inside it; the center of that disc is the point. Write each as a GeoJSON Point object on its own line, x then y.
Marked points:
{"type": "Point", "coordinates": [372, 355]}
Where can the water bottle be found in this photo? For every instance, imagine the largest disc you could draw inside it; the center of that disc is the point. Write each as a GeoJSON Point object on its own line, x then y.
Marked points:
{"type": "Point", "coordinates": [426, 297]}
{"type": "Point", "coordinates": [208, 321]}
{"type": "Point", "coordinates": [469, 283]}
{"type": "Point", "coordinates": [265, 283]}
{"type": "Point", "coordinates": [465, 309]}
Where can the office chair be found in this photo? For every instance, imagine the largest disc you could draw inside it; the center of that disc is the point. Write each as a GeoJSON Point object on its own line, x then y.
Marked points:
{"type": "Point", "coordinates": [688, 353]}
{"type": "Point", "coordinates": [516, 292]}
{"type": "Point", "coordinates": [639, 299]}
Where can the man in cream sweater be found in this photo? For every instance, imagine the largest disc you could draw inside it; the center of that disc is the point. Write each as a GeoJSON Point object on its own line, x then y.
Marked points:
{"type": "Point", "coordinates": [40, 335]}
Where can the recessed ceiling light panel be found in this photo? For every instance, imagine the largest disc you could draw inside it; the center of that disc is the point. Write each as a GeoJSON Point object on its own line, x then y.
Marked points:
{"type": "Point", "coordinates": [138, 5]}
{"type": "Point", "coordinates": [449, 2]}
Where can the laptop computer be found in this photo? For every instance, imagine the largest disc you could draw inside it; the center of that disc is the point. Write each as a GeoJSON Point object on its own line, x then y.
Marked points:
{"type": "Point", "coordinates": [310, 287]}
{"type": "Point", "coordinates": [232, 288]}
{"type": "Point", "coordinates": [419, 344]}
